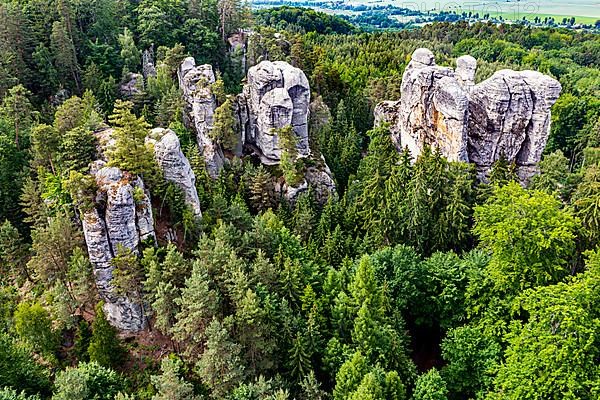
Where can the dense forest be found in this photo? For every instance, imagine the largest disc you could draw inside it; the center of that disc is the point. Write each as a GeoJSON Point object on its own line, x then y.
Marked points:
{"type": "Point", "coordinates": [415, 281]}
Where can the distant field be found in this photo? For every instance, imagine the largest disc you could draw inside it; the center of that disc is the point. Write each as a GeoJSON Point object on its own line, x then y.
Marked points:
{"type": "Point", "coordinates": [514, 9]}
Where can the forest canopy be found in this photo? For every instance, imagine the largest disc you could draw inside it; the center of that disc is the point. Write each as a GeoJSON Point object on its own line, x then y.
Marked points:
{"type": "Point", "coordinates": [415, 280]}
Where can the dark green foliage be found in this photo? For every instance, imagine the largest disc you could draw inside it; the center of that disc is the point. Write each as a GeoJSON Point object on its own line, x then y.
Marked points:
{"type": "Point", "coordinates": [105, 348]}
{"type": "Point", "coordinates": [305, 19]}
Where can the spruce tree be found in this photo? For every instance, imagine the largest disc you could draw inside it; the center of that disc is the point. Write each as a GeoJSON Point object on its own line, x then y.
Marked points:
{"type": "Point", "coordinates": [105, 347]}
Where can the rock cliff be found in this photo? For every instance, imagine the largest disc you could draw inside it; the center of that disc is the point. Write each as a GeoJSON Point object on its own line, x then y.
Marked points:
{"type": "Point", "coordinates": [120, 217]}
{"type": "Point", "coordinates": [174, 165]}
{"type": "Point", "coordinates": [195, 83]}
{"type": "Point", "coordinates": [506, 115]}
{"type": "Point", "coordinates": [275, 95]}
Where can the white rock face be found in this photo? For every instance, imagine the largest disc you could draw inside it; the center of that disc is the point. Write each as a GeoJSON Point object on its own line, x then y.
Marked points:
{"type": "Point", "coordinates": [506, 115]}
{"type": "Point", "coordinates": [117, 221]}
{"type": "Point", "coordinates": [195, 83]}
{"type": "Point", "coordinates": [174, 164]}
{"type": "Point", "coordinates": [276, 95]}
{"type": "Point", "coordinates": [509, 115]}
{"type": "Point", "coordinates": [433, 108]}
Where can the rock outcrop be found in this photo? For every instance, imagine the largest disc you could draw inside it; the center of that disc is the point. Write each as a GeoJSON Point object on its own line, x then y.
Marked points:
{"type": "Point", "coordinates": [276, 95]}
{"type": "Point", "coordinates": [174, 164]}
{"type": "Point", "coordinates": [507, 115]}
{"type": "Point", "coordinates": [121, 217]}
{"type": "Point", "coordinates": [195, 83]}
{"type": "Point", "coordinates": [132, 85]}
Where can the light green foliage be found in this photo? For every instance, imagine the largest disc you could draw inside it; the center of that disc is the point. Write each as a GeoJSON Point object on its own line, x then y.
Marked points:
{"type": "Point", "coordinates": [530, 236]}
{"type": "Point", "coordinates": [356, 380]}
{"type": "Point", "coordinates": [472, 357]}
{"type": "Point", "coordinates": [19, 370]}
{"type": "Point", "coordinates": [553, 353]}
{"type": "Point", "coordinates": [87, 381]}
{"type": "Point", "coordinates": [10, 394]}
{"type": "Point", "coordinates": [130, 54]}
{"type": "Point", "coordinates": [430, 386]}
{"type": "Point", "coordinates": [34, 326]}
{"type": "Point", "coordinates": [169, 385]}
{"type": "Point", "coordinates": [130, 152]}
{"type": "Point", "coordinates": [105, 347]}
{"type": "Point", "coordinates": [586, 201]}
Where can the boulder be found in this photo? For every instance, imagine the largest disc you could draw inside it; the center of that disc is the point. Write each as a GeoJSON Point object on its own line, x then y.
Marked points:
{"type": "Point", "coordinates": [507, 115]}
{"type": "Point", "coordinates": [174, 164]}
{"type": "Point", "coordinates": [276, 95]}
{"type": "Point", "coordinates": [195, 83]}
{"type": "Point", "coordinates": [119, 218]}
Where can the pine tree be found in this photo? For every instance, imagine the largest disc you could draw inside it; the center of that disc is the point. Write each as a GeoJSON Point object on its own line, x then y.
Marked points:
{"type": "Point", "coordinates": [127, 274]}
{"type": "Point", "coordinates": [224, 130]}
{"type": "Point", "coordinates": [105, 347]}
{"type": "Point", "coordinates": [17, 109]}
{"type": "Point", "coordinates": [45, 141]}
{"type": "Point", "coordinates": [198, 304]}
{"type": "Point", "coordinates": [130, 152]}
{"type": "Point", "coordinates": [261, 189]}
{"type": "Point", "coordinates": [65, 56]}
{"type": "Point", "coordinates": [13, 255]}
{"type": "Point", "coordinates": [169, 385]}
{"type": "Point", "coordinates": [220, 367]}
{"type": "Point", "coordinates": [130, 54]}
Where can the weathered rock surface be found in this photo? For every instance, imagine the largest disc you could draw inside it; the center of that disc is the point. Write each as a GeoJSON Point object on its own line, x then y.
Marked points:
{"type": "Point", "coordinates": [132, 85]}
{"type": "Point", "coordinates": [506, 115]}
{"type": "Point", "coordinates": [433, 108]}
{"type": "Point", "coordinates": [117, 220]}
{"type": "Point", "coordinates": [276, 95]}
{"type": "Point", "coordinates": [148, 67]}
{"type": "Point", "coordinates": [195, 83]}
{"type": "Point", "coordinates": [174, 164]}
{"type": "Point", "coordinates": [509, 115]}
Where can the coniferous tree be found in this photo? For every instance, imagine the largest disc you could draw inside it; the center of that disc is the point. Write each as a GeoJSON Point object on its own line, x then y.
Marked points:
{"type": "Point", "coordinates": [169, 385]}
{"type": "Point", "coordinates": [220, 366]}
{"type": "Point", "coordinates": [105, 347]}
{"type": "Point", "coordinates": [130, 152]}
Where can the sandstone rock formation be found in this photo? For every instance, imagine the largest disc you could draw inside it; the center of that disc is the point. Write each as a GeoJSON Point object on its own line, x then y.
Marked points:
{"type": "Point", "coordinates": [174, 164]}
{"type": "Point", "coordinates": [117, 220]}
{"type": "Point", "coordinates": [195, 83]}
{"type": "Point", "coordinates": [506, 115]}
{"type": "Point", "coordinates": [509, 114]}
{"type": "Point", "coordinates": [276, 95]}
